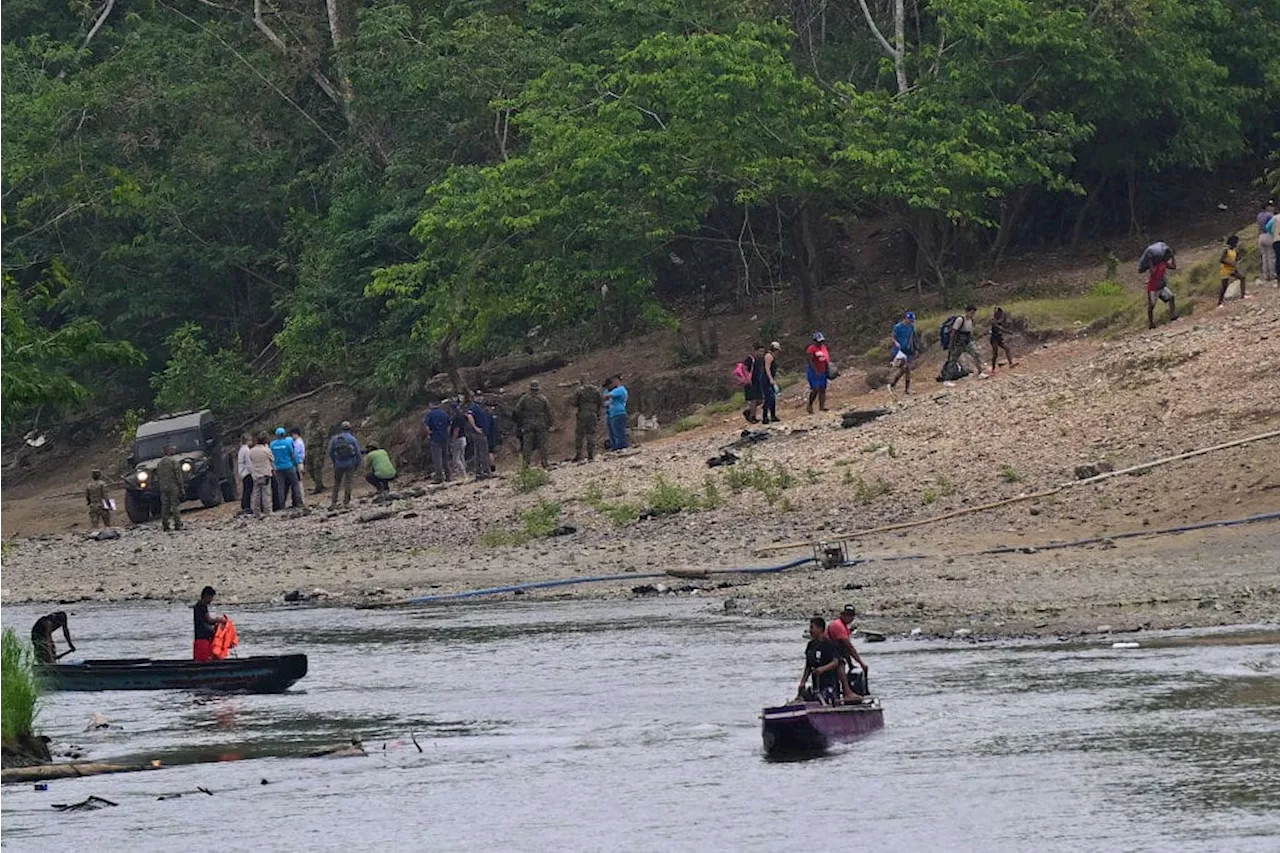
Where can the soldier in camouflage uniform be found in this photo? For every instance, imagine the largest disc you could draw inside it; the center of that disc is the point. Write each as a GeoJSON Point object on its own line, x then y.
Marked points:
{"type": "Point", "coordinates": [316, 437]}
{"type": "Point", "coordinates": [169, 480]}
{"type": "Point", "coordinates": [534, 415]}
{"type": "Point", "coordinates": [96, 496]}
{"type": "Point", "coordinates": [589, 402]}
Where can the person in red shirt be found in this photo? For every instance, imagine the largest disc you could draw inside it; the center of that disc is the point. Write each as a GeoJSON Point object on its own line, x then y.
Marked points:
{"type": "Point", "coordinates": [838, 633]}
{"type": "Point", "coordinates": [1158, 288]}
{"type": "Point", "coordinates": [819, 371]}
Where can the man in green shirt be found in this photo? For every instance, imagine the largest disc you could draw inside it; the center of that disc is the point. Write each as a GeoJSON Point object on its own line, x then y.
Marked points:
{"type": "Point", "coordinates": [381, 470]}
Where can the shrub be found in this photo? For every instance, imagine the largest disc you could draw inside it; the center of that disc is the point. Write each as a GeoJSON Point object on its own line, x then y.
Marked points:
{"type": "Point", "coordinates": [770, 482]}
{"type": "Point", "coordinates": [865, 493]}
{"type": "Point", "coordinates": [1010, 475]}
{"type": "Point", "coordinates": [1110, 287]}
{"type": "Point", "coordinates": [930, 495]}
{"type": "Point", "coordinates": [195, 378]}
{"type": "Point", "coordinates": [667, 498]}
{"type": "Point", "coordinates": [528, 479]}
{"type": "Point", "coordinates": [541, 520]}
{"type": "Point", "coordinates": [19, 687]}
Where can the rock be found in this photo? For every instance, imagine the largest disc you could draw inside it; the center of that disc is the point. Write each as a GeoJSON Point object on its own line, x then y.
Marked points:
{"type": "Point", "coordinates": [294, 596]}
{"type": "Point", "coordinates": [104, 535]}
{"type": "Point", "coordinates": [961, 632]}
{"type": "Point", "coordinates": [644, 589]}
{"type": "Point", "coordinates": [1104, 629]}
{"type": "Point", "coordinates": [916, 632]}
{"type": "Point", "coordinates": [730, 605]}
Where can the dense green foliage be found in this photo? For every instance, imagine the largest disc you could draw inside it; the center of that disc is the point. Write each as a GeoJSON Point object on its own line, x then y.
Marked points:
{"type": "Point", "coordinates": [19, 689]}
{"type": "Point", "coordinates": [274, 195]}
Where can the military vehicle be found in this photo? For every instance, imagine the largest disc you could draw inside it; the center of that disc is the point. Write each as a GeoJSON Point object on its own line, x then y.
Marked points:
{"type": "Point", "coordinates": [210, 472]}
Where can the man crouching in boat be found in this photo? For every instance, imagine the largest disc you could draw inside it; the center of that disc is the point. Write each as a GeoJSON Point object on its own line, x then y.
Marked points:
{"type": "Point", "coordinates": [42, 636]}
{"type": "Point", "coordinates": [206, 626]}
{"type": "Point", "coordinates": [838, 631]}
{"type": "Point", "coordinates": [822, 661]}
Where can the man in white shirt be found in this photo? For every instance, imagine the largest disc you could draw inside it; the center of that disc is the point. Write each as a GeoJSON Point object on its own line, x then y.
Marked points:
{"type": "Point", "coordinates": [244, 470]}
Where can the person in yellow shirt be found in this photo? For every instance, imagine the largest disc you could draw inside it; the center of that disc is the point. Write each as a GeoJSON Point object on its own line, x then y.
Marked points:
{"type": "Point", "coordinates": [1229, 268]}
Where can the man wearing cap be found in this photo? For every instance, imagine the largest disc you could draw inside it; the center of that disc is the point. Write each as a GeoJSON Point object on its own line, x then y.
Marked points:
{"type": "Point", "coordinates": [905, 349]}
{"type": "Point", "coordinates": [284, 456]}
{"type": "Point", "coordinates": [818, 371]}
{"type": "Point", "coordinates": [170, 482]}
{"type": "Point", "coordinates": [345, 453]}
{"type": "Point", "coordinates": [534, 414]}
{"type": "Point", "coordinates": [316, 437]}
{"type": "Point", "coordinates": [99, 504]}
{"type": "Point", "coordinates": [589, 402]}
{"type": "Point", "coordinates": [838, 633]}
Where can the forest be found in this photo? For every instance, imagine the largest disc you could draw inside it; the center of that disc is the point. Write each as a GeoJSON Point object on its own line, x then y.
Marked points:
{"type": "Point", "coordinates": [213, 202]}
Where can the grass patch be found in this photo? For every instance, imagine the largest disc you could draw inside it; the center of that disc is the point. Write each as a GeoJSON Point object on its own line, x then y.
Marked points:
{"type": "Point", "coordinates": [812, 477]}
{"type": "Point", "coordinates": [770, 482]}
{"type": "Point", "coordinates": [945, 487]}
{"type": "Point", "coordinates": [528, 479]}
{"type": "Point", "coordinates": [1010, 475]}
{"type": "Point", "coordinates": [693, 421]}
{"type": "Point", "coordinates": [865, 493]}
{"type": "Point", "coordinates": [19, 687]}
{"type": "Point", "coordinates": [735, 403]}
{"type": "Point", "coordinates": [537, 522]}
{"type": "Point", "coordinates": [930, 495]}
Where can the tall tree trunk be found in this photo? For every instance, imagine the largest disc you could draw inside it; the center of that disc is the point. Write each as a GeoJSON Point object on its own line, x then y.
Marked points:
{"type": "Point", "coordinates": [1010, 214]}
{"type": "Point", "coordinates": [809, 263]}
{"type": "Point", "coordinates": [898, 50]}
{"type": "Point", "coordinates": [449, 358]}
{"type": "Point", "coordinates": [1077, 230]}
{"type": "Point", "coordinates": [1131, 178]}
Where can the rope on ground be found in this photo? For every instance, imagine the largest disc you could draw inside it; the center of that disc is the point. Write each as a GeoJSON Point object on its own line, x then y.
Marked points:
{"type": "Point", "coordinates": [888, 528]}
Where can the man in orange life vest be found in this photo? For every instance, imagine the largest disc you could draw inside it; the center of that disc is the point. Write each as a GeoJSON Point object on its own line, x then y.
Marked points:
{"type": "Point", "coordinates": [206, 626]}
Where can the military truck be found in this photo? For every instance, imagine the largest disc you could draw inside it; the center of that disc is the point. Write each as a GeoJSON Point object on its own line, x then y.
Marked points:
{"type": "Point", "coordinates": [210, 472]}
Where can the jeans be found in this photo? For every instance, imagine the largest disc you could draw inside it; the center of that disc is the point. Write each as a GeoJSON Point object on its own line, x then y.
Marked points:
{"type": "Point", "coordinates": [342, 479]}
{"type": "Point", "coordinates": [480, 446]}
{"type": "Point", "coordinates": [378, 483]}
{"type": "Point", "coordinates": [290, 485]}
{"type": "Point", "coordinates": [770, 403]}
{"type": "Point", "coordinates": [618, 432]}
{"type": "Point", "coordinates": [439, 450]}
{"type": "Point", "coordinates": [246, 493]}
{"type": "Point", "coordinates": [458, 457]}
{"type": "Point", "coordinates": [1267, 254]}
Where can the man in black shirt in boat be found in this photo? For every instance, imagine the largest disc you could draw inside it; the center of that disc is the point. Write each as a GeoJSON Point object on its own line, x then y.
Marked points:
{"type": "Point", "coordinates": [42, 636]}
{"type": "Point", "coordinates": [821, 661]}
{"type": "Point", "coordinates": [206, 626]}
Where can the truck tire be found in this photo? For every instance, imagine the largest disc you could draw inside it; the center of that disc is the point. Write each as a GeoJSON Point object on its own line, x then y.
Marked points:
{"type": "Point", "coordinates": [207, 491]}
{"type": "Point", "coordinates": [230, 493]}
{"type": "Point", "coordinates": [136, 507]}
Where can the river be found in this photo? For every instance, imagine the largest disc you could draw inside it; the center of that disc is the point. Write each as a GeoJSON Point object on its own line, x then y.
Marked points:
{"type": "Point", "coordinates": [633, 726]}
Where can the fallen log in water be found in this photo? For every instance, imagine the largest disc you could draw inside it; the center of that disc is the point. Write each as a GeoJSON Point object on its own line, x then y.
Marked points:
{"type": "Point", "coordinates": [43, 772]}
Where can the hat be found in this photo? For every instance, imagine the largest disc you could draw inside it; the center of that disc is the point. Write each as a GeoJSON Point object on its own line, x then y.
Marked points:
{"type": "Point", "coordinates": [279, 430]}
{"type": "Point", "coordinates": [819, 337]}
{"type": "Point", "coordinates": [346, 424]}
{"type": "Point", "coordinates": [911, 315]}
{"type": "Point", "coordinates": [315, 413]}
{"type": "Point", "coordinates": [774, 345]}
{"type": "Point", "coordinates": [848, 608]}
{"type": "Point", "coordinates": [96, 472]}
{"type": "Point", "coordinates": [535, 385]}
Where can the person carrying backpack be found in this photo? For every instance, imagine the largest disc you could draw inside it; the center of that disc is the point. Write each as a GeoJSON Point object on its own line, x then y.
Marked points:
{"type": "Point", "coordinates": [957, 336]}
{"type": "Point", "coordinates": [1158, 289]}
{"type": "Point", "coordinates": [1229, 268]}
{"type": "Point", "coordinates": [345, 452]}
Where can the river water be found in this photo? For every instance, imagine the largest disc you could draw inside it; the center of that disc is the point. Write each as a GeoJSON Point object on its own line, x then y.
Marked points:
{"type": "Point", "coordinates": [633, 726]}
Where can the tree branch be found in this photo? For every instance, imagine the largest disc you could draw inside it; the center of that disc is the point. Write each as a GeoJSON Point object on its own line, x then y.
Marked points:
{"type": "Point", "coordinates": [97, 25]}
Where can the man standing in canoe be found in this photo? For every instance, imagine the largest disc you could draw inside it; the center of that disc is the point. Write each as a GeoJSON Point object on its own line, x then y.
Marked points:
{"type": "Point", "coordinates": [838, 633]}
{"type": "Point", "coordinates": [42, 636]}
{"type": "Point", "coordinates": [206, 626]}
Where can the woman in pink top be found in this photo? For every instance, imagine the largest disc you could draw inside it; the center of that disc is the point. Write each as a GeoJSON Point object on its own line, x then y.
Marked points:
{"type": "Point", "coordinates": [818, 372]}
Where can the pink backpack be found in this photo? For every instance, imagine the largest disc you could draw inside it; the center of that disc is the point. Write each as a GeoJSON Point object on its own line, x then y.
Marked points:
{"type": "Point", "coordinates": [742, 374]}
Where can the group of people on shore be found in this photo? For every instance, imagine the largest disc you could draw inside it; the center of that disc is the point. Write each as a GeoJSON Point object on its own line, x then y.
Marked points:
{"type": "Point", "coordinates": [271, 469]}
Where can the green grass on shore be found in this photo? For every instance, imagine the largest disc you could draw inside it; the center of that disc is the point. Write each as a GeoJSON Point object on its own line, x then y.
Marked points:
{"type": "Point", "coordinates": [19, 688]}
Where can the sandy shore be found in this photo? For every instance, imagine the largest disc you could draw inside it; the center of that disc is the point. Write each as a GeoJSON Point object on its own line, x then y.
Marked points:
{"type": "Point", "coordinates": [1187, 385]}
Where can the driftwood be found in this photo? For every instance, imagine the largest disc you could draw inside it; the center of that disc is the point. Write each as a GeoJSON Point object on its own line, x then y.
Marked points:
{"type": "Point", "coordinates": [376, 516]}
{"type": "Point", "coordinates": [496, 373]}
{"type": "Point", "coordinates": [89, 804]}
{"type": "Point", "coordinates": [44, 772]}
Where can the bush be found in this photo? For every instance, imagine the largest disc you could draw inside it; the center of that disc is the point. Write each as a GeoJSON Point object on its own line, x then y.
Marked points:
{"type": "Point", "coordinates": [770, 482]}
{"type": "Point", "coordinates": [195, 378]}
{"type": "Point", "coordinates": [19, 687]}
{"type": "Point", "coordinates": [528, 479]}
{"type": "Point", "coordinates": [864, 492]}
{"type": "Point", "coordinates": [667, 498]}
{"type": "Point", "coordinates": [541, 520]}
{"type": "Point", "coordinates": [1110, 287]}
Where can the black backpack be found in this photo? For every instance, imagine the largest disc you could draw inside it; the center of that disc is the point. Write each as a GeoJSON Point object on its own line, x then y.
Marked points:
{"type": "Point", "coordinates": [952, 370]}
{"type": "Point", "coordinates": [345, 449]}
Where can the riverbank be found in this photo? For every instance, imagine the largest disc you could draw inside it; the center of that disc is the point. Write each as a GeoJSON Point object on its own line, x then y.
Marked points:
{"type": "Point", "coordinates": [1070, 407]}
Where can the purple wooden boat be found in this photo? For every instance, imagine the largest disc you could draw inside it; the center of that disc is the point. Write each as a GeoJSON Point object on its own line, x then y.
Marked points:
{"type": "Point", "coordinates": [809, 728]}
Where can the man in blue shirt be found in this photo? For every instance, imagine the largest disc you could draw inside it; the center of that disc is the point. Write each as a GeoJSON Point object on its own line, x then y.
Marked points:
{"type": "Point", "coordinates": [436, 423]}
{"type": "Point", "coordinates": [616, 400]}
{"type": "Point", "coordinates": [484, 422]}
{"type": "Point", "coordinates": [284, 456]}
{"type": "Point", "coordinates": [345, 451]}
{"type": "Point", "coordinates": [906, 346]}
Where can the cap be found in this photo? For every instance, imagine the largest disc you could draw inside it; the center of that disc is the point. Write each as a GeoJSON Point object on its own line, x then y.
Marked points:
{"type": "Point", "coordinates": [911, 315]}
{"type": "Point", "coordinates": [315, 413]}
{"type": "Point", "coordinates": [279, 430]}
{"type": "Point", "coordinates": [819, 337]}
{"type": "Point", "coordinates": [535, 385]}
{"type": "Point", "coordinates": [346, 424]}
{"type": "Point", "coordinates": [848, 608]}
{"type": "Point", "coordinates": [96, 472]}
{"type": "Point", "coordinates": [774, 345]}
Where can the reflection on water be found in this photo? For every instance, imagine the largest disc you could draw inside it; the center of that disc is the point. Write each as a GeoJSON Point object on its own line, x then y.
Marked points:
{"type": "Point", "coordinates": [634, 726]}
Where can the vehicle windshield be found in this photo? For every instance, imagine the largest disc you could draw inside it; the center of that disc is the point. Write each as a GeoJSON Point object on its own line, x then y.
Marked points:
{"type": "Point", "coordinates": [152, 447]}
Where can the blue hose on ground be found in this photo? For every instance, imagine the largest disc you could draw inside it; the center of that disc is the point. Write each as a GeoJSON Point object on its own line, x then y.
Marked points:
{"type": "Point", "coordinates": [782, 567]}
{"type": "Point", "coordinates": [522, 587]}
